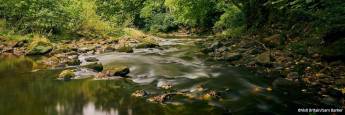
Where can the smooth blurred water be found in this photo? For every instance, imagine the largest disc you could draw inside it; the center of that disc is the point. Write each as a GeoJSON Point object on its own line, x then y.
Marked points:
{"type": "Point", "coordinates": [178, 62]}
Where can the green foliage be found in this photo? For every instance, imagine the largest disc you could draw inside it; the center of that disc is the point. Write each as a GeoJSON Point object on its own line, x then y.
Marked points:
{"type": "Point", "coordinates": [191, 12]}
{"type": "Point", "coordinates": [2, 25]}
{"type": "Point", "coordinates": [99, 18]}
{"type": "Point", "coordinates": [120, 12]}
{"type": "Point", "coordinates": [231, 22]}
{"type": "Point", "coordinates": [92, 25]}
{"type": "Point", "coordinates": [41, 15]}
{"type": "Point", "coordinates": [156, 16]}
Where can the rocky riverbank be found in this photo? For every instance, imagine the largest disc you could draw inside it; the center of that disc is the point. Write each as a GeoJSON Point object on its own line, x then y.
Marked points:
{"type": "Point", "coordinates": [269, 57]}
{"type": "Point", "coordinates": [66, 54]}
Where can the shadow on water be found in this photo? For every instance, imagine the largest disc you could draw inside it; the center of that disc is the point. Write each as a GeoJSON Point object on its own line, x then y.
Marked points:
{"type": "Point", "coordinates": [178, 62]}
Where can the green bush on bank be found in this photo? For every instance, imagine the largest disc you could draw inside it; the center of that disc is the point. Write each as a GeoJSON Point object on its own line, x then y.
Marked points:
{"type": "Point", "coordinates": [44, 16]}
{"type": "Point", "coordinates": [98, 18]}
{"type": "Point", "coordinates": [54, 17]}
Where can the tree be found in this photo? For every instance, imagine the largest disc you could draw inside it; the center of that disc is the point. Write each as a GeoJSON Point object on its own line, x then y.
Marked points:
{"type": "Point", "coordinates": [192, 13]}
{"type": "Point", "coordinates": [156, 16]}
{"type": "Point", "coordinates": [121, 12]}
{"type": "Point", "coordinates": [41, 15]}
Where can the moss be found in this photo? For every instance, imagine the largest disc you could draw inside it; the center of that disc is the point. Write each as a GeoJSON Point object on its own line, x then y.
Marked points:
{"type": "Point", "coordinates": [67, 74]}
{"type": "Point", "coordinates": [40, 45]}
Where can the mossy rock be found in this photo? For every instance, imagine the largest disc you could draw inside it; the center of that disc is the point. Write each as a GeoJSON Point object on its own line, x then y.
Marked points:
{"type": "Point", "coordinates": [39, 48]}
{"type": "Point", "coordinates": [263, 58]}
{"type": "Point", "coordinates": [117, 70]}
{"type": "Point", "coordinates": [94, 66]}
{"type": "Point", "coordinates": [67, 74]}
{"type": "Point", "coordinates": [126, 49]}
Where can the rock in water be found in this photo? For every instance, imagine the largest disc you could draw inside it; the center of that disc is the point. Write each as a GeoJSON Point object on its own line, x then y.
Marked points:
{"type": "Point", "coordinates": [91, 59]}
{"type": "Point", "coordinates": [117, 71]}
{"type": "Point", "coordinates": [95, 66]}
{"type": "Point", "coordinates": [40, 48]}
{"type": "Point", "coordinates": [67, 74]}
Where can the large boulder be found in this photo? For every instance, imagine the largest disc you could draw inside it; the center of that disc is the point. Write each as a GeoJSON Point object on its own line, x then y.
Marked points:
{"type": "Point", "coordinates": [39, 48]}
{"type": "Point", "coordinates": [117, 71]}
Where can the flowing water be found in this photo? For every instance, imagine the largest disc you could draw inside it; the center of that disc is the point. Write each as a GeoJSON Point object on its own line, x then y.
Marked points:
{"type": "Point", "coordinates": [178, 62]}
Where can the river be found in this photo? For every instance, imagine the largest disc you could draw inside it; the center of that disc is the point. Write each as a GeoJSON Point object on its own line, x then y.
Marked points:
{"type": "Point", "coordinates": [177, 62]}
